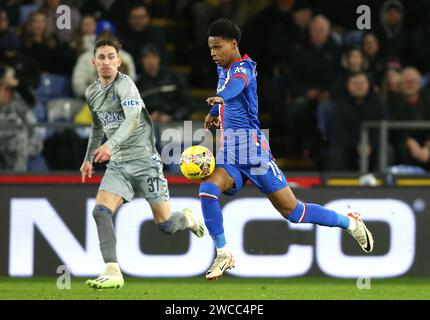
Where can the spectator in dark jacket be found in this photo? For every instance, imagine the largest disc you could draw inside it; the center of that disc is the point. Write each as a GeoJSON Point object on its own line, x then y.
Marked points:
{"type": "Point", "coordinates": [140, 32]}
{"type": "Point", "coordinates": [315, 69]}
{"type": "Point", "coordinates": [392, 34]}
{"type": "Point", "coordinates": [373, 54]}
{"type": "Point", "coordinates": [317, 65]}
{"type": "Point", "coordinates": [44, 47]}
{"type": "Point", "coordinates": [266, 37]}
{"type": "Point", "coordinates": [165, 93]}
{"type": "Point", "coordinates": [8, 37]}
{"type": "Point", "coordinates": [412, 104]}
{"type": "Point", "coordinates": [350, 110]}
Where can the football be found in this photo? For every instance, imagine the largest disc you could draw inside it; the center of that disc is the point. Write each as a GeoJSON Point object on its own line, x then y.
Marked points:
{"type": "Point", "coordinates": [197, 163]}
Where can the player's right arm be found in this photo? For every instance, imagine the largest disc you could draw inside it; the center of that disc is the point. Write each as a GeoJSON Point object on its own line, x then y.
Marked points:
{"type": "Point", "coordinates": [94, 141]}
{"type": "Point", "coordinates": [212, 118]}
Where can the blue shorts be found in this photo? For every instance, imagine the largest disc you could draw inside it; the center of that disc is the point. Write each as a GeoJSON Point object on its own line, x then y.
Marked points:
{"type": "Point", "coordinates": [268, 178]}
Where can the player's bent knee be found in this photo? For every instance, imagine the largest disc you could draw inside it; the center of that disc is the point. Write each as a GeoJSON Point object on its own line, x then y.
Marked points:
{"type": "Point", "coordinates": [209, 190]}
{"type": "Point", "coordinates": [297, 215]}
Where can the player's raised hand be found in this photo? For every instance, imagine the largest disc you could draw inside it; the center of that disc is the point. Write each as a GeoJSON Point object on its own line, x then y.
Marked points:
{"type": "Point", "coordinates": [102, 154]}
{"type": "Point", "coordinates": [213, 100]}
{"type": "Point", "coordinates": [86, 170]}
{"type": "Point", "coordinates": [211, 122]}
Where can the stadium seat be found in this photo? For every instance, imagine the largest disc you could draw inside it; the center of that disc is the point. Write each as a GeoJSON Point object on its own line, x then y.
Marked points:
{"type": "Point", "coordinates": [63, 109]}
{"type": "Point", "coordinates": [53, 86]}
{"type": "Point", "coordinates": [25, 10]}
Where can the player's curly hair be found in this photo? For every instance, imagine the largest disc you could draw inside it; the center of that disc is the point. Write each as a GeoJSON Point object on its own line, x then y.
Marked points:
{"type": "Point", "coordinates": [112, 42]}
{"type": "Point", "coordinates": [224, 28]}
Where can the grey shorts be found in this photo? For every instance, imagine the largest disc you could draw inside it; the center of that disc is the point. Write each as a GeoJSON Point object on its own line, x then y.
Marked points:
{"type": "Point", "coordinates": [141, 177]}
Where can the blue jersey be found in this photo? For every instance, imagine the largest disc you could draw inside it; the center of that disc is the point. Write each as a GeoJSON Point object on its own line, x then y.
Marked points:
{"type": "Point", "coordinates": [245, 152]}
{"type": "Point", "coordinates": [240, 127]}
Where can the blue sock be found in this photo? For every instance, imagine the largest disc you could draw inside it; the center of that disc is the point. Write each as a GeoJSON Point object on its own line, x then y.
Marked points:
{"type": "Point", "coordinates": [211, 209]}
{"type": "Point", "coordinates": [313, 213]}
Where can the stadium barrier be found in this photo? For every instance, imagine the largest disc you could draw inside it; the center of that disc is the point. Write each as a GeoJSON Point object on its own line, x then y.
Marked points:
{"type": "Point", "coordinates": [44, 224]}
{"type": "Point", "coordinates": [384, 128]}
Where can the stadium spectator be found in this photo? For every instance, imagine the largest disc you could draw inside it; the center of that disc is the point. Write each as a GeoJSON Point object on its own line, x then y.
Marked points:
{"type": "Point", "coordinates": [99, 9]}
{"type": "Point", "coordinates": [44, 47]}
{"type": "Point", "coordinates": [26, 69]}
{"type": "Point", "coordinates": [84, 72]}
{"type": "Point", "coordinates": [269, 44]}
{"type": "Point", "coordinates": [392, 35]}
{"type": "Point", "coordinates": [357, 105]}
{"type": "Point", "coordinates": [12, 8]}
{"type": "Point", "coordinates": [18, 139]}
{"type": "Point", "coordinates": [49, 7]}
{"type": "Point", "coordinates": [165, 92]}
{"type": "Point", "coordinates": [302, 14]}
{"type": "Point", "coordinates": [85, 36]}
{"type": "Point", "coordinates": [140, 32]}
{"type": "Point", "coordinates": [315, 69]}
{"type": "Point", "coordinates": [112, 10]}
{"type": "Point", "coordinates": [391, 83]}
{"type": "Point", "coordinates": [282, 74]}
{"type": "Point", "coordinates": [8, 36]}
{"type": "Point", "coordinates": [372, 53]}
{"type": "Point", "coordinates": [352, 61]}
{"type": "Point", "coordinates": [412, 104]}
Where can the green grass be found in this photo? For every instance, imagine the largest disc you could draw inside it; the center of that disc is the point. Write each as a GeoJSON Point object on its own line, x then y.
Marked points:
{"type": "Point", "coordinates": [226, 288]}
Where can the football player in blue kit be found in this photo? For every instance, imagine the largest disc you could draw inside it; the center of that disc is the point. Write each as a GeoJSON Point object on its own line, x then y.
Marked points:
{"type": "Point", "coordinates": [245, 152]}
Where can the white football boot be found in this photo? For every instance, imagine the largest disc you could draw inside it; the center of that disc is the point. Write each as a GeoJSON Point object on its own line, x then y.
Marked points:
{"type": "Point", "coordinates": [360, 233]}
{"type": "Point", "coordinates": [224, 261]}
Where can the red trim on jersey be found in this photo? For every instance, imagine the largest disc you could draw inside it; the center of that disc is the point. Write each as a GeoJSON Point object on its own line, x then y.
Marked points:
{"type": "Point", "coordinates": [244, 57]}
{"type": "Point", "coordinates": [221, 116]}
{"type": "Point", "coordinates": [240, 75]}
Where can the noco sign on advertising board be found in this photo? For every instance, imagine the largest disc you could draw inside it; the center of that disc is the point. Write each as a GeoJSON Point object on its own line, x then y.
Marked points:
{"type": "Point", "coordinates": [42, 227]}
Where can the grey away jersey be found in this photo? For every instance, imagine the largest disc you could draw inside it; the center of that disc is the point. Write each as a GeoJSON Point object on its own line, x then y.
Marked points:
{"type": "Point", "coordinates": [119, 112]}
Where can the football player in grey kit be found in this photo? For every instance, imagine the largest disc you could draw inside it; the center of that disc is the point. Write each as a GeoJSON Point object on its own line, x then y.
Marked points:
{"type": "Point", "coordinates": [134, 165]}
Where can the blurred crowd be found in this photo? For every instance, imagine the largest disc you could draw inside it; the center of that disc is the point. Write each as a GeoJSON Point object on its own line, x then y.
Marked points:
{"type": "Point", "coordinates": [319, 77]}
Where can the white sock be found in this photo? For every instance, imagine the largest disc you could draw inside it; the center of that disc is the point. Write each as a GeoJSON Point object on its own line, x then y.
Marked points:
{"type": "Point", "coordinates": [352, 224]}
{"type": "Point", "coordinates": [112, 269]}
{"type": "Point", "coordinates": [224, 249]}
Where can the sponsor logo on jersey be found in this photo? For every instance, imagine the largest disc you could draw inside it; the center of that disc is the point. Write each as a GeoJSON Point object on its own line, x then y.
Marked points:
{"type": "Point", "coordinates": [239, 70]}
{"type": "Point", "coordinates": [110, 119]}
{"type": "Point", "coordinates": [131, 103]}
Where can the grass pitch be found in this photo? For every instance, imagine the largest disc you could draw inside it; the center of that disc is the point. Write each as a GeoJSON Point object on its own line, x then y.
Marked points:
{"type": "Point", "coordinates": [228, 288]}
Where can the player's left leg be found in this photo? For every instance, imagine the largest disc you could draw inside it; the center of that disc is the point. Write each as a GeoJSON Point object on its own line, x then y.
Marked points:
{"type": "Point", "coordinates": [107, 203]}
{"type": "Point", "coordinates": [149, 182]}
{"type": "Point", "coordinates": [220, 181]}
{"type": "Point", "coordinates": [295, 211]}
{"type": "Point", "coordinates": [171, 222]}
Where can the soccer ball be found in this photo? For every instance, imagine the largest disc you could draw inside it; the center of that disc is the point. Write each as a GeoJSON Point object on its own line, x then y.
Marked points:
{"type": "Point", "coordinates": [197, 163]}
